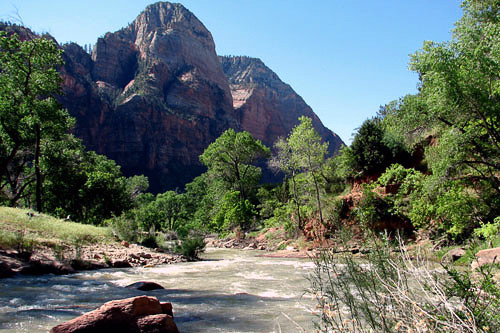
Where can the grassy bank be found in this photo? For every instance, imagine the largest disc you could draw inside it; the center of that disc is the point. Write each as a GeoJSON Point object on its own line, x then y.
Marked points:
{"type": "Point", "coordinates": [21, 228]}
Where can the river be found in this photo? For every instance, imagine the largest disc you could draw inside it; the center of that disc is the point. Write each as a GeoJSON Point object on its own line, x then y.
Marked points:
{"type": "Point", "coordinates": [229, 291]}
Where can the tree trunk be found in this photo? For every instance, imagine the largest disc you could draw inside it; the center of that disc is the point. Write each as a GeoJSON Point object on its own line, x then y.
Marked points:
{"type": "Point", "coordinates": [318, 198]}
{"type": "Point", "coordinates": [300, 227]}
{"type": "Point", "coordinates": [38, 174]}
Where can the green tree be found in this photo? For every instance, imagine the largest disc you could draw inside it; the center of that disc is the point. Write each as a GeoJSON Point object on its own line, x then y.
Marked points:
{"type": "Point", "coordinates": [309, 154]}
{"type": "Point", "coordinates": [29, 112]}
{"type": "Point", "coordinates": [374, 148]}
{"type": "Point", "coordinates": [87, 186]}
{"type": "Point", "coordinates": [457, 111]}
{"type": "Point", "coordinates": [460, 96]}
{"type": "Point", "coordinates": [233, 212]}
{"type": "Point", "coordinates": [284, 160]}
{"type": "Point", "coordinates": [231, 156]}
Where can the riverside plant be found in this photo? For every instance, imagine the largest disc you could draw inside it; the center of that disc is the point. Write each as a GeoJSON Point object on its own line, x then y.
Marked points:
{"type": "Point", "coordinates": [393, 291]}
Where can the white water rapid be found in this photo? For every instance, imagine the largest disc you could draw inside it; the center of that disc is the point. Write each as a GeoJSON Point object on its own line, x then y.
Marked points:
{"type": "Point", "coordinates": [229, 291]}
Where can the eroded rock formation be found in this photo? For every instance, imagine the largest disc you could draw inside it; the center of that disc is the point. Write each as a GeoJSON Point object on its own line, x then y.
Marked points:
{"type": "Point", "coordinates": [152, 96]}
{"type": "Point", "coordinates": [266, 106]}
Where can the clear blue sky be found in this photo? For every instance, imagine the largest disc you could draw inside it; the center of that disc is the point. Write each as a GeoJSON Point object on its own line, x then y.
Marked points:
{"type": "Point", "coordinates": [344, 57]}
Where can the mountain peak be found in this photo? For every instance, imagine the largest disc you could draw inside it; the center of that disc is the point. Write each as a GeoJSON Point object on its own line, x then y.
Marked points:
{"type": "Point", "coordinates": [166, 17]}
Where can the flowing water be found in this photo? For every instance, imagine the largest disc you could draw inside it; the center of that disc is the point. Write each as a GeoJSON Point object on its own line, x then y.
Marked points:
{"type": "Point", "coordinates": [229, 291]}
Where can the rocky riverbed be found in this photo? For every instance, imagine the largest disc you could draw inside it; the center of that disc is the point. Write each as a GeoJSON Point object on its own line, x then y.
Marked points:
{"type": "Point", "coordinates": [66, 260]}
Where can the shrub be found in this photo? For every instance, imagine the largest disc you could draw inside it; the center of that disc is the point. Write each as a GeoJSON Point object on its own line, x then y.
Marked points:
{"type": "Point", "coordinates": [393, 293]}
{"type": "Point", "coordinates": [125, 227]}
{"type": "Point", "coordinates": [488, 230]}
{"type": "Point", "coordinates": [149, 241]}
{"type": "Point", "coordinates": [191, 246]}
{"type": "Point", "coordinates": [372, 208]}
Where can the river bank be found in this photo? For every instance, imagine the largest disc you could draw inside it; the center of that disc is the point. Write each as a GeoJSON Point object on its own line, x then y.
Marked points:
{"type": "Point", "coordinates": [37, 244]}
{"type": "Point", "coordinates": [66, 260]}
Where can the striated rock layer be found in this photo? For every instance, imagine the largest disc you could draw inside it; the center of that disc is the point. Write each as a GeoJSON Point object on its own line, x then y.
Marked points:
{"type": "Point", "coordinates": [152, 96]}
{"type": "Point", "coordinates": [266, 106]}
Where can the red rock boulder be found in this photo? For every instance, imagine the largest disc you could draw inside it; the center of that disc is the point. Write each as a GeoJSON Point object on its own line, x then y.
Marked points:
{"type": "Point", "coordinates": [488, 256]}
{"type": "Point", "coordinates": [132, 315]}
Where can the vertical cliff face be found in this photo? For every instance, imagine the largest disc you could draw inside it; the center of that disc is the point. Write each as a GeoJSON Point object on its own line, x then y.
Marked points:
{"type": "Point", "coordinates": [266, 106]}
{"type": "Point", "coordinates": [152, 96]}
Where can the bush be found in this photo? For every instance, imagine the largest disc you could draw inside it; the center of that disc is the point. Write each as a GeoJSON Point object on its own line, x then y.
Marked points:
{"type": "Point", "coordinates": [191, 246]}
{"type": "Point", "coordinates": [372, 209]}
{"type": "Point", "coordinates": [393, 293]}
{"type": "Point", "coordinates": [125, 227]}
{"type": "Point", "coordinates": [149, 241]}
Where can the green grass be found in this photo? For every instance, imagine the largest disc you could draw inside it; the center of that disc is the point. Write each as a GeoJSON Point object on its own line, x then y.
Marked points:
{"type": "Point", "coordinates": [25, 226]}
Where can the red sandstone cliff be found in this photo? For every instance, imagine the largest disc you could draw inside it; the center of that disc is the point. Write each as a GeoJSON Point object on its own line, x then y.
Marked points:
{"type": "Point", "coordinates": [153, 95]}
{"type": "Point", "coordinates": [267, 107]}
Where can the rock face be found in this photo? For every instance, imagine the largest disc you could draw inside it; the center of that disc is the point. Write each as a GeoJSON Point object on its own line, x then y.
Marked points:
{"type": "Point", "coordinates": [266, 106]}
{"type": "Point", "coordinates": [152, 96]}
{"type": "Point", "coordinates": [131, 315]}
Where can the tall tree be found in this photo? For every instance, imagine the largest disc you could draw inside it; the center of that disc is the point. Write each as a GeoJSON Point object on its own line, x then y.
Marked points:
{"type": "Point", "coordinates": [304, 151]}
{"type": "Point", "coordinates": [283, 160]}
{"type": "Point", "coordinates": [29, 112]}
{"type": "Point", "coordinates": [459, 99]}
{"type": "Point", "coordinates": [231, 156]}
{"type": "Point", "coordinates": [457, 110]}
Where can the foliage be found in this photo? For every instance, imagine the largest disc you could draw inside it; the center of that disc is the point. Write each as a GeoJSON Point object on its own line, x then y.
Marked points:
{"type": "Point", "coordinates": [230, 170]}
{"type": "Point", "coordinates": [488, 230]}
{"type": "Point", "coordinates": [447, 207]}
{"type": "Point", "coordinates": [456, 111]}
{"type": "Point", "coordinates": [191, 246]}
{"type": "Point", "coordinates": [125, 227]}
{"type": "Point", "coordinates": [234, 213]}
{"type": "Point", "coordinates": [29, 112]}
{"type": "Point", "coordinates": [393, 293]}
{"type": "Point", "coordinates": [231, 156]}
{"type": "Point", "coordinates": [374, 148]}
{"type": "Point", "coordinates": [84, 185]}
{"type": "Point", "coordinates": [149, 241]}
{"type": "Point", "coordinates": [308, 152]}
{"type": "Point", "coordinates": [372, 208]}
{"type": "Point", "coordinates": [163, 213]}
{"type": "Point", "coordinates": [302, 152]}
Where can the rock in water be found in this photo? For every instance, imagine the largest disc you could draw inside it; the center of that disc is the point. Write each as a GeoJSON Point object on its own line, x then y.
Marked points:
{"type": "Point", "coordinates": [132, 315]}
{"type": "Point", "coordinates": [144, 286]}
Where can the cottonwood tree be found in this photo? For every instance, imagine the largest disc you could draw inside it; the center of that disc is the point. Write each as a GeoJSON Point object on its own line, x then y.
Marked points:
{"type": "Point", "coordinates": [29, 112]}
{"type": "Point", "coordinates": [230, 167]}
{"type": "Point", "coordinates": [283, 160]}
{"type": "Point", "coordinates": [231, 156]}
{"type": "Point", "coordinates": [458, 106]}
{"type": "Point", "coordinates": [303, 151]}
